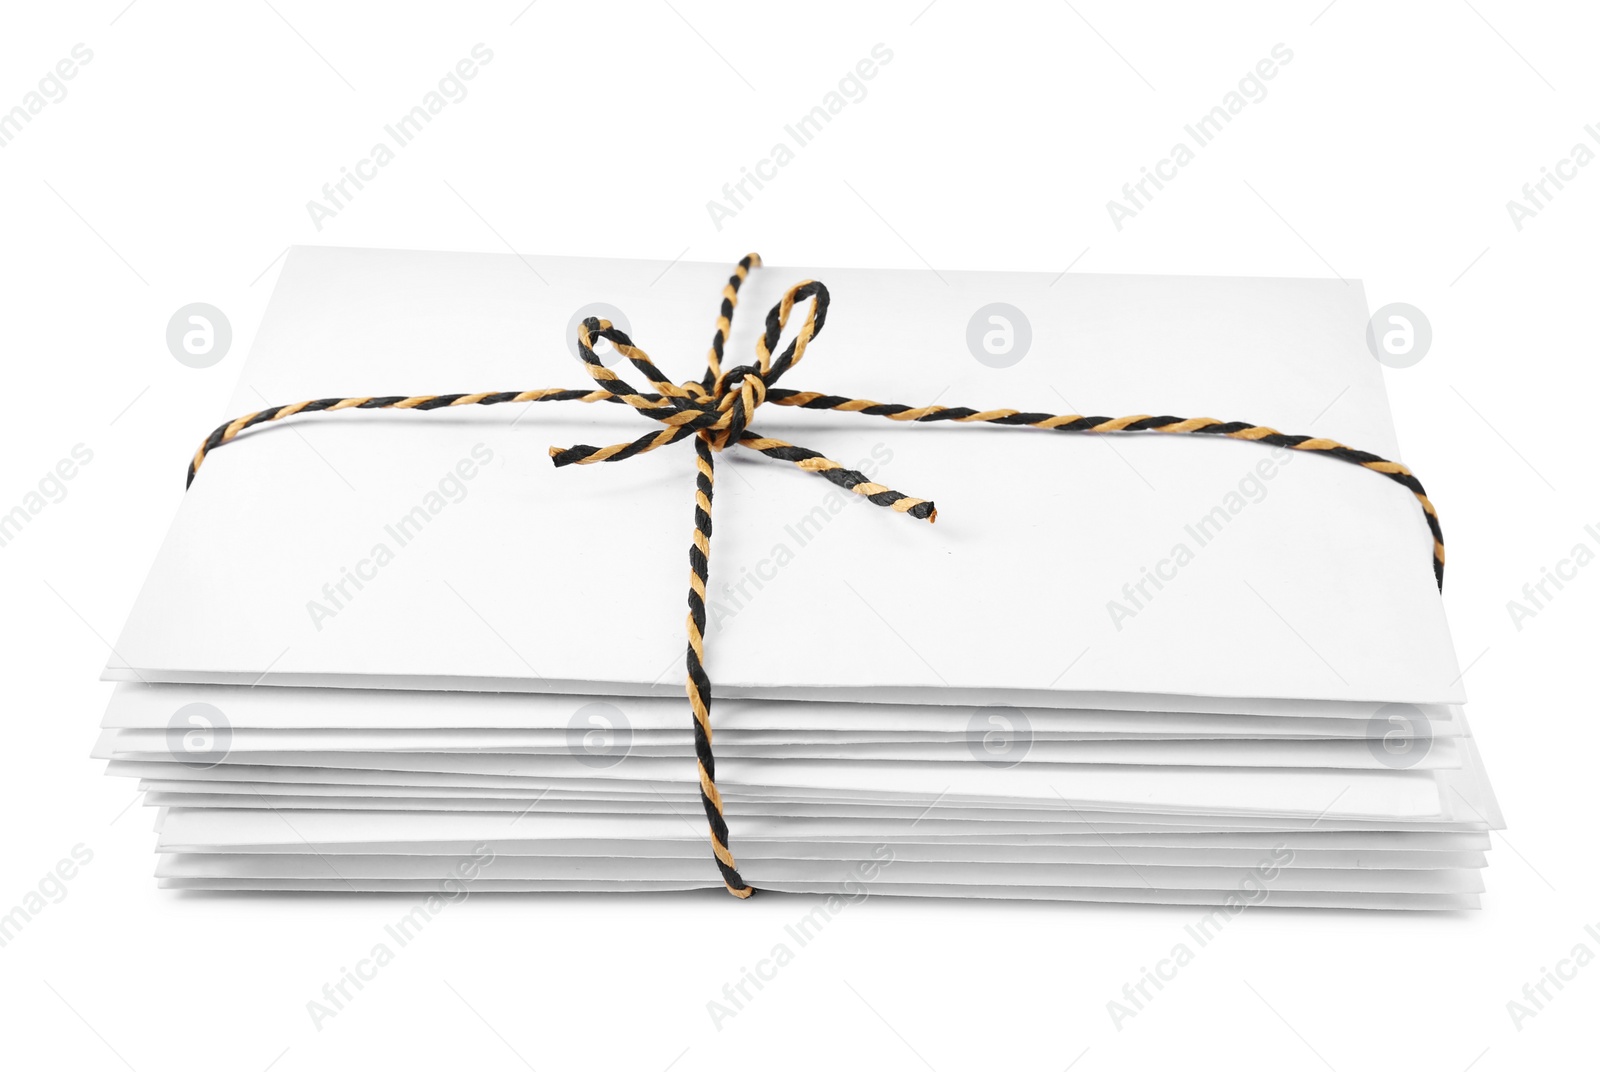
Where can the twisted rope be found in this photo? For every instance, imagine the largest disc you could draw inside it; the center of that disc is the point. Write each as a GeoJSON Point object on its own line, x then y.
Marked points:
{"type": "Point", "coordinates": [716, 410]}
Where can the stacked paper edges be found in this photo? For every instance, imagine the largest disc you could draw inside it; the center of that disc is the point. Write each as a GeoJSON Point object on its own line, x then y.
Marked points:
{"type": "Point", "coordinates": [399, 651]}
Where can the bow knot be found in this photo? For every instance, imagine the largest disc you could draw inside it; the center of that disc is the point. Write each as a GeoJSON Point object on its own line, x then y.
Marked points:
{"type": "Point", "coordinates": [717, 407]}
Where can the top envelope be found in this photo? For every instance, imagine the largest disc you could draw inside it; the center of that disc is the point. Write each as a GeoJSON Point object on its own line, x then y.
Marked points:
{"type": "Point", "coordinates": [442, 549]}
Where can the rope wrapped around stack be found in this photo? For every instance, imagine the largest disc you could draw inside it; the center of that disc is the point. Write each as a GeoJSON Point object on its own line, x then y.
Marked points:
{"type": "Point", "coordinates": [716, 411]}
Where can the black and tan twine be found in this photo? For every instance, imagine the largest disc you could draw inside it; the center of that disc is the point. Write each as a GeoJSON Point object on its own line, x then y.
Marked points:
{"type": "Point", "coordinates": [716, 410]}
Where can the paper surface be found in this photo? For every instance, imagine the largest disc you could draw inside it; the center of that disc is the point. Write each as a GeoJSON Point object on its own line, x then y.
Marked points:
{"type": "Point", "coordinates": [530, 578]}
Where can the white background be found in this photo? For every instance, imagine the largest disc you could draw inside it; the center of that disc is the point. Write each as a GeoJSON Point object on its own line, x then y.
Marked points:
{"type": "Point", "coordinates": [177, 169]}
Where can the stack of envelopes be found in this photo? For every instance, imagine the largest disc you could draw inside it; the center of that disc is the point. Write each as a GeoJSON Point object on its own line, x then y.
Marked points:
{"type": "Point", "coordinates": [387, 650]}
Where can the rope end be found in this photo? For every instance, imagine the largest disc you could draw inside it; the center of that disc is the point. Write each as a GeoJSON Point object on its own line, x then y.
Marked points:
{"type": "Point", "coordinates": [560, 457]}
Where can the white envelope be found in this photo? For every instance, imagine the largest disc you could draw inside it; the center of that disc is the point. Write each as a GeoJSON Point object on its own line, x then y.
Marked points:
{"type": "Point", "coordinates": [556, 756]}
{"type": "Point", "coordinates": [1317, 589]}
{"type": "Point", "coordinates": [1437, 902]}
{"type": "Point", "coordinates": [410, 865]}
{"type": "Point", "coordinates": [135, 705]}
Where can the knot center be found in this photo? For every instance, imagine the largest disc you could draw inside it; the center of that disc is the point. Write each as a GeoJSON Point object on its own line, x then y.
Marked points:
{"type": "Point", "coordinates": [732, 402]}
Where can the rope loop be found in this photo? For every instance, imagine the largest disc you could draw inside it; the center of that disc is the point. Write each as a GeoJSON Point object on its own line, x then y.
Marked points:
{"type": "Point", "coordinates": [720, 405]}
